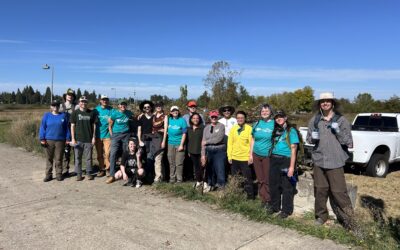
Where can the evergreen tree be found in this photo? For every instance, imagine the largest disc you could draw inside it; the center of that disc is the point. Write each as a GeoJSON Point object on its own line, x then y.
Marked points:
{"type": "Point", "coordinates": [47, 96]}
{"type": "Point", "coordinates": [18, 97]}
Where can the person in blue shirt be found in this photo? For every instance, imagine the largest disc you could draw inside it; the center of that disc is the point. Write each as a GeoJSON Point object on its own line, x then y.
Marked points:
{"type": "Point", "coordinates": [54, 133]}
{"type": "Point", "coordinates": [285, 141]}
{"type": "Point", "coordinates": [119, 126]}
{"type": "Point", "coordinates": [260, 148]}
{"type": "Point", "coordinates": [177, 128]}
{"type": "Point", "coordinates": [103, 140]}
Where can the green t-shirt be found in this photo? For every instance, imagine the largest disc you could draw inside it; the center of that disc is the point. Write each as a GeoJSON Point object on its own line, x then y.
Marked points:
{"type": "Point", "coordinates": [83, 121]}
{"type": "Point", "coordinates": [102, 121]}
{"type": "Point", "coordinates": [281, 145]}
{"type": "Point", "coordinates": [121, 121]}
{"type": "Point", "coordinates": [262, 133]}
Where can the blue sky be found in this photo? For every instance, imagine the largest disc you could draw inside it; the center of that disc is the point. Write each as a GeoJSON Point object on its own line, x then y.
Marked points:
{"type": "Point", "coordinates": [153, 47]}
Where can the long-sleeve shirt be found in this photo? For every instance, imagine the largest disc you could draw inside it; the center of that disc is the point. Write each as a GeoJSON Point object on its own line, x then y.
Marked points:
{"type": "Point", "coordinates": [328, 151]}
{"type": "Point", "coordinates": [55, 127]}
{"type": "Point", "coordinates": [213, 137]}
{"type": "Point", "coordinates": [239, 139]}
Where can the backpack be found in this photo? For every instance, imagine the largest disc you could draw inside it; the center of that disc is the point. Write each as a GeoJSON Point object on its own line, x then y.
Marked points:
{"type": "Point", "coordinates": [318, 116]}
{"type": "Point", "coordinates": [300, 156]}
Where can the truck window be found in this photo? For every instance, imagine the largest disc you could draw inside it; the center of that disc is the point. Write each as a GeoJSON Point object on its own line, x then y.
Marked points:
{"type": "Point", "coordinates": [376, 123]}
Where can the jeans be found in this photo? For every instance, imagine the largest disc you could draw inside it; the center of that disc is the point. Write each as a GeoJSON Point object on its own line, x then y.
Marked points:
{"type": "Point", "coordinates": [118, 140]}
{"type": "Point", "coordinates": [86, 149]}
{"type": "Point", "coordinates": [54, 152]}
{"type": "Point", "coordinates": [216, 157]}
{"type": "Point", "coordinates": [103, 153]}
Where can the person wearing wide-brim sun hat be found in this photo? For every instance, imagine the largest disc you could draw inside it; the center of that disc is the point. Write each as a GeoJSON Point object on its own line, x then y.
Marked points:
{"type": "Point", "coordinates": [227, 111]}
{"type": "Point", "coordinates": [331, 134]}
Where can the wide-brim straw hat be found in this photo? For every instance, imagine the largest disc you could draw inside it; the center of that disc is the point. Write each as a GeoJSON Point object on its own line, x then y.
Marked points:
{"type": "Point", "coordinates": [231, 109]}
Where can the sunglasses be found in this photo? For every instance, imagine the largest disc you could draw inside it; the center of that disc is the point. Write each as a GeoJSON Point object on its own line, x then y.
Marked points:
{"type": "Point", "coordinates": [227, 110]}
{"type": "Point", "coordinates": [214, 117]}
{"type": "Point", "coordinates": [146, 107]}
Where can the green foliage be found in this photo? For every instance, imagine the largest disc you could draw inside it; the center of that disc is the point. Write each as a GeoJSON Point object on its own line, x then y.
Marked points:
{"type": "Point", "coordinates": [203, 100]}
{"type": "Point", "coordinates": [183, 97]}
{"type": "Point", "coordinates": [364, 103]}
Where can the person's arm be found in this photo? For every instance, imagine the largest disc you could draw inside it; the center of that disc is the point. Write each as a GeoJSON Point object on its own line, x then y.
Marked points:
{"type": "Point", "coordinates": [293, 152]}
{"type": "Point", "coordinates": [203, 148]}
{"type": "Point", "coordinates": [73, 133]}
{"type": "Point", "coordinates": [42, 130]}
{"type": "Point", "coordinates": [94, 134]}
{"type": "Point", "coordinates": [343, 133]}
{"type": "Point", "coordinates": [110, 125]}
{"type": "Point", "coordinates": [124, 175]}
{"type": "Point", "coordinates": [180, 148]}
{"type": "Point", "coordinates": [164, 140]}
{"type": "Point", "coordinates": [310, 130]}
{"type": "Point", "coordinates": [139, 134]}
{"type": "Point", "coordinates": [230, 145]}
{"type": "Point", "coordinates": [68, 131]}
{"type": "Point", "coordinates": [139, 159]}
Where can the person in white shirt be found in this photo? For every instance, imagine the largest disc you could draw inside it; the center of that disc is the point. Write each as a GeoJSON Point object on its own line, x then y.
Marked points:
{"type": "Point", "coordinates": [226, 112]}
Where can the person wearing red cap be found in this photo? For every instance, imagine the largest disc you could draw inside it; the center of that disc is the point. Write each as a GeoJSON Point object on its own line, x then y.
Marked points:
{"type": "Point", "coordinates": [213, 153]}
{"type": "Point", "coordinates": [192, 108]}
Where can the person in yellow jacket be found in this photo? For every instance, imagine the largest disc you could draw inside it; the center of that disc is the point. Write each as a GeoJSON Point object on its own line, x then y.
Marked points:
{"type": "Point", "coordinates": [238, 151]}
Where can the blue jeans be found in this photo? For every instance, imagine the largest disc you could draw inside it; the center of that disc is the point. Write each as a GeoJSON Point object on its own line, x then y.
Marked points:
{"type": "Point", "coordinates": [117, 140]}
{"type": "Point", "coordinates": [216, 157]}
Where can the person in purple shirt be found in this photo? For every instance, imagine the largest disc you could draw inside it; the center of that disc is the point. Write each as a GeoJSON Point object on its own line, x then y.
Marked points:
{"type": "Point", "coordinates": [54, 133]}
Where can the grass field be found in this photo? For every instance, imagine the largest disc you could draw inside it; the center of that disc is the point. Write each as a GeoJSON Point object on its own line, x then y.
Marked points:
{"type": "Point", "coordinates": [377, 209]}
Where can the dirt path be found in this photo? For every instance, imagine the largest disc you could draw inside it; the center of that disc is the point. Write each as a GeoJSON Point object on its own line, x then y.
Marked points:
{"type": "Point", "coordinates": [93, 215]}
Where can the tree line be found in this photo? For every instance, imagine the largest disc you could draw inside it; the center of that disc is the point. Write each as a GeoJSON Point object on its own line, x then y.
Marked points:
{"type": "Point", "coordinates": [223, 87]}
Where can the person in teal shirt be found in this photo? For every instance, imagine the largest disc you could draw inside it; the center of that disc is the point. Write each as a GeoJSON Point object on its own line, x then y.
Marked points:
{"type": "Point", "coordinates": [103, 141]}
{"type": "Point", "coordinates": [260, 149]}
{"type": "Point", "coordinates": [119, 128]}
{"type": "Point", "coordinates": [177, 128]}
{"type": "Point", "coordinates": [283, 162]}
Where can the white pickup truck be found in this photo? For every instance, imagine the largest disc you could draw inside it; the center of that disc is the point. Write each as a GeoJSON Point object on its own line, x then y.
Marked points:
{"type": "Point", "coordinates": [376, 141]}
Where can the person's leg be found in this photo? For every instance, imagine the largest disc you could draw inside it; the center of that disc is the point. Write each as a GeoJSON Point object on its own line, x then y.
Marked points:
{"type": "Point", "coordinates": [78, 150]}
{"type": "Point", "coordinates": [58, 157]}
{"type": "Point", "coordinates": [100, 153]}
{"type": "Point", "coordinates": [87, 151]}
{"type": "Point", "coordinates": [158, 166]}
{"type": "Point", "coordinates": [261, 167]}
{"type": "Point", "coordinates": [196, 161]}
{"type": "Point", "coordinates": [180, 157]}
{"type": "Point", "coordinates": [219, 163]}
{"type": "Point", "coordinates": [106, 148]}
{"type": "Point", "coordinates": [172, 164]}
{"type": "Point", "coordinates": [49, 158]}
{"type": "Point", "coordinates": [209, 167]}
{"type": "Point", "coordinates": [115, 144]}
{"type": "Point", "coordinates": [235, 168]}
{"type": "Point", "coordinates": [338, 196]}
{"type": "Point", "coordinates": [274, 183]}
{"type": "Point", "coordinates": [321, 191]}
{"type": "Point", "coordinates": [67, 157]}
{"type": "Point", "coordinates": [248, 183]}
{"type": "Point", "coordinates": [287, 191]}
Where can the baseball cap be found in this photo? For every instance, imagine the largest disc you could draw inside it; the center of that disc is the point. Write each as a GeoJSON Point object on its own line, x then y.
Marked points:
{"type": "Point", "coordinates": [174, 108]}
{"type": "Point", "coordinates": [280, 113]}
{"type": "Point", "coordinates": [103, 97]}
{"type": "Point", "coordinates": [192, 104]}
{"type": "Point", "coordinates": [213, 113]}
{"type": "Point", "coordinates": [83, 99]}
{"type": "Point", "coordinates": [123, 103]}
{"type": "Point", "coordinates": [55, 103]}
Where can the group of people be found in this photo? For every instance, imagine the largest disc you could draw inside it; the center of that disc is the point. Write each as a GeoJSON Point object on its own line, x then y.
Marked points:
{"type": "Point", "coordinates": [226, 142]}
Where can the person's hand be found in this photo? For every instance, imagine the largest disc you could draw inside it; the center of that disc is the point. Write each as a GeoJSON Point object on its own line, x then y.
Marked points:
{"type": "Point", "coordinates": [43, 142]}
{"type": "Point", "coordinates": [250, 159]}
{"type": "Point", "coordinates": [230, 161]}
{"type": "Point", "coordinates": [163, 145]}
{"type": "Point", "coordinates": [203, 143]}
{"type": "Point", "coordinates": [67, 142]}
{"type": "Point", "coordinates": [180, 148]}
{"type": "Point", "coordinates": [203, 161]}
{"type": "Point", "coordinates": [141, 144]}
{"type": "Point", "coordinates": [125, 177]}
{"type": "Point", "coordinates": [335, 126]}
{"type": "Point", "coordinates": [73, 142]}
{"type": "Point", "coordinates": [189, 154]}
{"type": "Point", "coordinates": [290, 172]}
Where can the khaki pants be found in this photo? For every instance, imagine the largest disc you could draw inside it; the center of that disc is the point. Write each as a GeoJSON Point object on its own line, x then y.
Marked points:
{"type": "Point", "coordinates": [103, 147]}
{"type": "Point", "coordinates": [54, 154]}
{"type": "Point", "coordinates": [158, 166]}
{"type": "Point", "coordinates": [175, 159]}
{"type": "Point", "coordinates": [331, 183]}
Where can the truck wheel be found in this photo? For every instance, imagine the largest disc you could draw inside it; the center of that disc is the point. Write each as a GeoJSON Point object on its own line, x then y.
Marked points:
{"type": "Point", "coordinates": [378, 166]}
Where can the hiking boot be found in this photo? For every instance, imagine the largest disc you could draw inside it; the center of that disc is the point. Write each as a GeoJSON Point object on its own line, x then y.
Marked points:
{"type": "Point", "coordinates": [138, 183]}
{"type": "Point", "coordinates": [65, 175]}
{"type": "Point", "coordinates": [48, 178]}
{"type": "Point", "coordinates": [108, 172]}
{"type": "Point", "coordinates": [90, 177]}
{"type": "Point", "coordinates": [110, 179]}
{"type": "Point", "coordinates": [101, 173]}
{"type": "Point", "coordinates": [79, 178]}
{"type": "Point", "coordinates": [319, 222]}
{"type": "Point", "coordinates": [59, 177]}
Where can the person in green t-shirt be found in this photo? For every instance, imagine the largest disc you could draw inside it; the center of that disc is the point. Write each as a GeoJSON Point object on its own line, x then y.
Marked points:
{"type": "Point", "coordinates": [103, 141]}
{"type": "Point", "coordinates": [119, 125]}
{"type": "Point", "coordinates": [83, 125]}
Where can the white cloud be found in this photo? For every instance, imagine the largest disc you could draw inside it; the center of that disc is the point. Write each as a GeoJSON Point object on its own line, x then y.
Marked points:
{"type": "Point", "coordinates": [157, 70]}
{"type": "Point", "coordinates": [12, 41]}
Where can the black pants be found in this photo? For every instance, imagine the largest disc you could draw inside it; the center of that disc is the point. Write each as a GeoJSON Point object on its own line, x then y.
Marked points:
{"type": "Point", "coordinates": [242, 167]}
{"type": "Point", "coordinates": [197, 169]}
{"type": "Point", "coordinates": [282, 191]}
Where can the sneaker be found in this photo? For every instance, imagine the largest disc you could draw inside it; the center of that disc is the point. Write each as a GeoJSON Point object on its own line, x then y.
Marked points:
{"type": "Point", "coordinates": [65, 175]}
{"type": "Point", "coordinates": [319, 222]}
{"type": "Point", "coordinates": [157, 181]}
{"type": "Point", "coordinates": [59, 177]}
{"type": "Point", "coordinates": [79, 178]}
{"type": "Point", "coordinates": [110, 179]}
{"type": "Point", "coordinates": [198, 185]}
{"type": "Point", "coordinates": [90, 177]}
{"type": "Point", "coordinates": [283, 215]}
{"type": "Point", "coordinates": [48, 178]}
{"type": "Point", "coordinates": [138, 183]}
{"type": "Point", "coordinates": [101, 173]}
